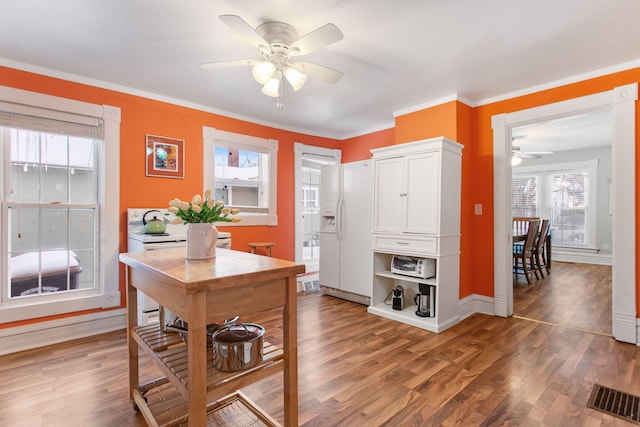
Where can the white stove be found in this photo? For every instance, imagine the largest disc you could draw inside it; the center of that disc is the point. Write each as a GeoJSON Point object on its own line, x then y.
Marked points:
{"type": "Point", "coordinates": [175, 236]}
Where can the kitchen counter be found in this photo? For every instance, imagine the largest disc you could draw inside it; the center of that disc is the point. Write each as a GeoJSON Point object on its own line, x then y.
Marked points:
{"type": "Point", "coordinates": [203, 292]}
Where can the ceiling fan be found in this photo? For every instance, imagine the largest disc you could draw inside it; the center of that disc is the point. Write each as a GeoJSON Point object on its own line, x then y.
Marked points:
{"type": "Point", "coordinates": [517, 155]}
{"type": "Point", "coordinates": [277, 43]}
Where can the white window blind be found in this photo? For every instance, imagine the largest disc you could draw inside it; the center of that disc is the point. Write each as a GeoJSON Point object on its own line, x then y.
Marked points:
{"type": "Point", "coordinates": [570, 207]}
{"type": "Point", "coordinates": [524, 198]}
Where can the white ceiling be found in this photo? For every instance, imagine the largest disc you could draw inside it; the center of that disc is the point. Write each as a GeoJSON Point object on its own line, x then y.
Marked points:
{"type": "Point", "coordinates": [594, 129]}
{"type": "Point", "coordinates": [396, 56]}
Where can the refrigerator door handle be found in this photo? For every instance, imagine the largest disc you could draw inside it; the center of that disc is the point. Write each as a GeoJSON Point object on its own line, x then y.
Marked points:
{"type": "Point", "coordinates": [339, 218]}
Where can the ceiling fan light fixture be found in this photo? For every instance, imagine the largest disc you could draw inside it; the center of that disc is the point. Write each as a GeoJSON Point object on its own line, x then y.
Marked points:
{"type": "Point", "coordinates": [262, 71]}
{"type": "Point", "coordinates": [295, 77]}
{"type": "Point", "coordinates": [272, 86]}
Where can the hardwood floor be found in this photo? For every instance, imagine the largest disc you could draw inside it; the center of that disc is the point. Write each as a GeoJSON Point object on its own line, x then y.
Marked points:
{"type": "Point", "coordinates": [356, 369]}
{"type": "Point", "coordinates": [573, 295]}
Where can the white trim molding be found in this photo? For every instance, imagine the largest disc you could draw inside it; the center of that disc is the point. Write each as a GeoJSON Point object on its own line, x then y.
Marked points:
{"type": "Point", "coordinates": [107, 293]}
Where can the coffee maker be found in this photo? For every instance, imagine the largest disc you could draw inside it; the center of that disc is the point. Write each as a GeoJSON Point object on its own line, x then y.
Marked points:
{"type": "Point", "coordinates": [397, 302]}
{"type": "Point", "coordinates": [425, 301]}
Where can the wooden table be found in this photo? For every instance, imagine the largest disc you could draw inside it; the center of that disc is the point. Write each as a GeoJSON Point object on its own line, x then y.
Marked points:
{"type": "Point", "coordinates": [204, 292]}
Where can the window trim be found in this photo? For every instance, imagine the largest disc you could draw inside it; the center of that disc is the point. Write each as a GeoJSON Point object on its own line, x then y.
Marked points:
{"type": "Point", "coordinates": [107, 293]}
{"type": "Point", "coordinates": [210, 136]}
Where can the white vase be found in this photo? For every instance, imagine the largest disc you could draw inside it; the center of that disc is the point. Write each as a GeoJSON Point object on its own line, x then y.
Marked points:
{"type": "Point", "coordinates": [201, 240]}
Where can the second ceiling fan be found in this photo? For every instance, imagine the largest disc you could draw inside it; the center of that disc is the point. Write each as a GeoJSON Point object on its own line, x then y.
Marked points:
{"type": "Point", "coordinates": [278, 43]}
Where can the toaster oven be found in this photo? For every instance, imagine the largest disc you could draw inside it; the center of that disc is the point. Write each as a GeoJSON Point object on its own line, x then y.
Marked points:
{"type": "Point", "coordinates": [422, 268]}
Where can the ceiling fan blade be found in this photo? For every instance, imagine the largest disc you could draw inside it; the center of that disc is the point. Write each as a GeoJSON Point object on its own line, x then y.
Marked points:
{"type": "Point", "coordinates": [227, 64]}
{"type": "Point", "coordinates": [318, 71]}
{"type": "Point", "coordinates": [317, 39]}
{"type": "Point", "coordinates": [528, 156]}
{"type": "Point", "coordinates": [244, 30]}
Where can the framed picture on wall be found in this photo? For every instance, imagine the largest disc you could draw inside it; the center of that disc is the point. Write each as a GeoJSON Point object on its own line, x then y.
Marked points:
{"type": "Point", "coordinates": [165, 156]}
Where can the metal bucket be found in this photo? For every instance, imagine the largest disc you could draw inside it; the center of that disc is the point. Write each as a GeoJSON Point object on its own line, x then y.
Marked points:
{"type": "Point", "coordinates": [237, 346]}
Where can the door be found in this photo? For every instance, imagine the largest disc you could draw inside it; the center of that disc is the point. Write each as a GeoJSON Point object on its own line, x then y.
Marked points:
{"type": "Point", "coordinates": [308, 163]}
{"type": "Point", "coordinates": [389, 204]}
{"type": "Point", "coordinates": [422, 193]}
{"type": "Point", "coordinates": [330, 248]}
{"type": "Point", "coordinates": [356, 222]}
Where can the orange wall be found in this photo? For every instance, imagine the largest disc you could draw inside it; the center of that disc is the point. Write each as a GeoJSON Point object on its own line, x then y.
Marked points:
{"type": "Point", "coordinates": [358, 148]}
{"type": "Point", "coordinates": [469, 126]}
{"type": "Point", "coordinates": [482, 169]}
{"type": "Point", "coordinates": [432, 122]}
{"type": "Point", "coordinates": [140, 116]}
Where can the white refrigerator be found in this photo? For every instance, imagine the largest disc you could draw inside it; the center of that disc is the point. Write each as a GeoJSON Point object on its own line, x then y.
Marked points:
{"type": "Point", "coordinates": [346, 211]}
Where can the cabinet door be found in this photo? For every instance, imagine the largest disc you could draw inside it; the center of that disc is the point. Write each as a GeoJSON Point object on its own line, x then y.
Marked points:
{"type": "Point", "coordinates": [423, 193]}
{"type": "Point", "coordinates": [389, 200]}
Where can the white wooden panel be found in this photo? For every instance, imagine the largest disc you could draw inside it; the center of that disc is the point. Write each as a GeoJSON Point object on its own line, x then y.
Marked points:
{"type": "Point", "coordinates": [423, 193]}
{"type": "Point", "coordinates": [388, 203]}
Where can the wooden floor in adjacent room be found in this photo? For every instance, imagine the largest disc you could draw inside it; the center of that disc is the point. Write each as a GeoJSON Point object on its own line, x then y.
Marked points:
{"type": "Point", "coordinates": [573, 295]}
{"type": "Point", "coordinates": [356, 369]}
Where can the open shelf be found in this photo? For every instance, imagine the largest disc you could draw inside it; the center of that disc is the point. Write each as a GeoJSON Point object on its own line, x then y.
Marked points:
{"type": "Point", "coordinates": [388, 274]}
{"type": "Point", "coordinates": [408, 316]}
{"type": "Point", "coordinates": [169, 352]}
{"type": "Point", "coordinates": [169, 408]}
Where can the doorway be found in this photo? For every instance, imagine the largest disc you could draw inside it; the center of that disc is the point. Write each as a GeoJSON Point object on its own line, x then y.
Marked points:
{"type": "Point", "coordinates": [561, 171]}
{"type": "Point", "coordinates": [621, 101]}
{"type": "Point", "coordinates": [309, 160]}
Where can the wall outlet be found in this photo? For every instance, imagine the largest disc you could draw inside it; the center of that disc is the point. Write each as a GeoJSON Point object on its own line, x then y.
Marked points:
{"type": "Point", "coordinates": [477, 209]}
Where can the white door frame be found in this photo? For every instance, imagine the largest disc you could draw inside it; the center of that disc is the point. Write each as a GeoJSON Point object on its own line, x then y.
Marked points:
{"type": "Point", "coordinates": [621, 101]}
{"type": "Point", "coordinates": [298, 150]}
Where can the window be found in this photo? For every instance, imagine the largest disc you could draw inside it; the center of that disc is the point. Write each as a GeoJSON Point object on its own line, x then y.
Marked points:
{"type": "Point", "coordinates": [570, 207]}
{"type": "Point", "coordinates": [310, 197]}
{"type": "Point", "coordinates": [52, 206]}
{"type": "Point", "coordinates": [54, 184]}
{"type": "Point", "coordinates": [241, 171]}
{"type": "Point", "coordinates": [562, 193]}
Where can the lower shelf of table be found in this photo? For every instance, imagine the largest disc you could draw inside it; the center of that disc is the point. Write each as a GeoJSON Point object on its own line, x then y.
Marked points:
{"type": "Point", "coordinates": [169, 409]}
{"type": "Point", "coordinates": [169, 353]}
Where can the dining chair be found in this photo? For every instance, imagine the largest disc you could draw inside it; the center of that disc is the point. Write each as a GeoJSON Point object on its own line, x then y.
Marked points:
{"type": "Point", "coordinates": [524, 253]}
{"type": "Point", "coordinates": [540, 247]}
{"type": "Point", "coordinates": [521, 224]}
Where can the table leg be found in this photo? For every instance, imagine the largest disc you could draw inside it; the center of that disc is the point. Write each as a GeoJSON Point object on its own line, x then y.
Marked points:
{"type": "Point", "coordinates": [132, 321]}
{"type": "Point", "coordinates": [290, 335]}
{"type": "Point", "coordinates": [197, 359]}
{"type": "Point", "coordinates": [548, 247]}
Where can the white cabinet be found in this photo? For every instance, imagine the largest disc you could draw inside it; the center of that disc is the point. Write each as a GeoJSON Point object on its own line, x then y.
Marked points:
{"type": "Point", "coordinates": [417, 214]}
{"type": "Point", "coordinates": [407, 188]}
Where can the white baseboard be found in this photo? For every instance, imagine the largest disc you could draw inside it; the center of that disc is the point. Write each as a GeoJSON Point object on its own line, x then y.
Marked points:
{"type": "Point", "coordinates": [36, 335]}
{"type": "Point", "coordinates": [475, 304]}
{"type": "Point", "coordinates": [568, 255]}
{"type": "Point", "coordinates": [360, 299]}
